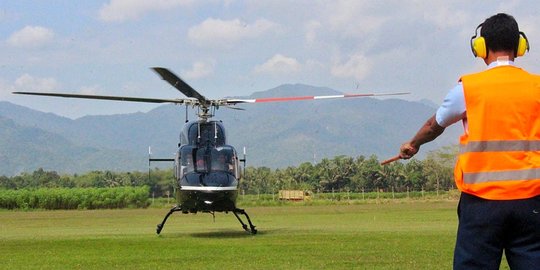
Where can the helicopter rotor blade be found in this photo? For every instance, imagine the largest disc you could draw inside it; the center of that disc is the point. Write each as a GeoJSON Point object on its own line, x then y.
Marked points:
{"type": "Point", "coordinates": [283, 99]}
{"type": "Point", "coordinates": [179, 84]}
{"type": "Point", "coordinates": [117, 98]}
{"type": "Point", "coordinates": [234, 108]}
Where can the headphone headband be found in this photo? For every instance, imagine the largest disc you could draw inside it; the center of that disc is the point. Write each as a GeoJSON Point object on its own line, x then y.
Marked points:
{"type": "Point", "coordinates": [478, 44]}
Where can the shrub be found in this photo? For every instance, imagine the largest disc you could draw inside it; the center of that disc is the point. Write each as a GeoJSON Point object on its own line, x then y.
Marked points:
{"type": "Point", "coordinates": [75, 198]}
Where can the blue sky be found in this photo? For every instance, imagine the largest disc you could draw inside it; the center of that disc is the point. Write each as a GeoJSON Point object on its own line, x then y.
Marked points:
{"type": "Point", "coordinates": [234, 48]}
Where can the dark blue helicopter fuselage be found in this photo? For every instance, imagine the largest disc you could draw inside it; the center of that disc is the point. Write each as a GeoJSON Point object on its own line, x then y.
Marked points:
{"type": "Point", "coordinates": [207, 169]}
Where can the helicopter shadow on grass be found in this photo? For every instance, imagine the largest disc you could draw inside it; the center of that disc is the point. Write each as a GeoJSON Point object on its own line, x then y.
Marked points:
{"type": "Point", "coordinates": [222, 234]}
{"type": "Point", "coordinates": [235, 234]}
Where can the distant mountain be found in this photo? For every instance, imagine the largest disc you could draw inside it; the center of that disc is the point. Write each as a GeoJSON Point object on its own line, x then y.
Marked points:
{"type": "Point", "coordinates": [28, 148]}
{"type": "Point", "coordinates": [275, 134]}
{"type": "Point", "coordinates": [128, 132]}
{"type": "Point", "coordinates": [429, 103]}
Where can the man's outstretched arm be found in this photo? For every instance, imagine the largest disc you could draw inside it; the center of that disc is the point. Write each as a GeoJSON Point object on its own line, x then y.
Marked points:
{"type": "Point", "coordinates": [427, 133]}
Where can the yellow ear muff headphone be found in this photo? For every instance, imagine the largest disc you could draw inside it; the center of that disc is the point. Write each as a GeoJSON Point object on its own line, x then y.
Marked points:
{"type": "Point", "coordinates": [523, 45]}
{"type": "Point", "coordinates": [479, 49]}
{"type": "Point", "coordinates": [478, 44]}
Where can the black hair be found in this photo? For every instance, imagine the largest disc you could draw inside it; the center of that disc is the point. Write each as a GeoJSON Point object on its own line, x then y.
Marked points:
{"type": "Point", "coordinates": [501, 33]}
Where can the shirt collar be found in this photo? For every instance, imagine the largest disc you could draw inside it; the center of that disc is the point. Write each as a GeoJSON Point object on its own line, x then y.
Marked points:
{"type": "Point", "coordinates": [500, 62]}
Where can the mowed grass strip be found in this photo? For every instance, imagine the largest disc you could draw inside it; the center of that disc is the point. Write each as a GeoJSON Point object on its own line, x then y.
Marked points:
{"type": "Point", "coordinates": [405, 235]}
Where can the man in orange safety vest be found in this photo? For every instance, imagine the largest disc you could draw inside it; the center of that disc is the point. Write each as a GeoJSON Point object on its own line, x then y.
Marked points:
{"type": "Point", "coordinates": [498, 167]}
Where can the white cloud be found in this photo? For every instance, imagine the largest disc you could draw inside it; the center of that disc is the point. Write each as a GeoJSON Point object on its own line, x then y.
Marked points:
{"type": "Point", "coordinates": [199, 70]}
{"type": "Point", "coordinates": [31, 36]}
{"type": "Point", "coordinates": [357, 66]}
{"type": "Point", "coordinates": [279, 64]}
{"type": "Point", "coordinates": [217, 31]}
{"type": "Point", "coordinates": [123, 10]}
{"type": "Point", "coordinates": [354, 18]}
{"type": "Point", "coordinates": [444, 17]}
{"type": "Point", "coordinates": [27, 82]}
{"type": "Point", "coordinates": [311, 31]}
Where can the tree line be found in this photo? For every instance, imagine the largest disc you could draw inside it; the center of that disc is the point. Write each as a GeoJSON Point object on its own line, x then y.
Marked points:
{"type": "Point", "coordinates": [340, 173]}
{"type": "Point", "coordinates": [159, 181]}
{"type": "Point", "coordinates": [361, 174]}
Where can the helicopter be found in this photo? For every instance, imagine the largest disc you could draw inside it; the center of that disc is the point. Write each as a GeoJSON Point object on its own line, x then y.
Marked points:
{"type": "Point", "coordinates": [207, 170]}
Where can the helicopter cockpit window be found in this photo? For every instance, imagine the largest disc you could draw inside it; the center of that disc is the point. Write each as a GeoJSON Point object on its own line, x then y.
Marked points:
{"type": "Point", "coordinates": [202, 157]}
{"type": "Point", "coordinates": [205, 160]}
{"type": "Point", "coordinates": [209, 132]}
{"type": "Point", "coordinates": [186, 160]}
{"type": "Point", "coordinates": [223, 160]}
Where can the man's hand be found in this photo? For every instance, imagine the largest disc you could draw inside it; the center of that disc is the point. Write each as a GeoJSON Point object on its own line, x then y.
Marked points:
{"type": "Point", "coordinates": [407, 150]}
{"type": "Point", "coordinates": [427, 133]}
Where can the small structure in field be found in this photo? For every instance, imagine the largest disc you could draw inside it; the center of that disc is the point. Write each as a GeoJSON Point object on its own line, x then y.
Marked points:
{"type": "Point", "coordinates": [294, 195]}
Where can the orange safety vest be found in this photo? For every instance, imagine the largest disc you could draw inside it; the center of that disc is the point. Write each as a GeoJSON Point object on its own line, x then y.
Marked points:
{"type": "Point", "coordinates": [500, 154]}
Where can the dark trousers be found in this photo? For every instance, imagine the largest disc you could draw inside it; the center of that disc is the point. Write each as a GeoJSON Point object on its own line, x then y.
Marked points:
{"type": "Point", "coordinates": [488, 227]}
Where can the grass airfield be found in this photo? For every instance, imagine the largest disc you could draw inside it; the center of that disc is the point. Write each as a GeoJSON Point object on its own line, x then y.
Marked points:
{"type": "Point", "coordinates": [398, 234]}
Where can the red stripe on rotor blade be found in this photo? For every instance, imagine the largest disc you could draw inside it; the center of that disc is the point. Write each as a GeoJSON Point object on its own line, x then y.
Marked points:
{"type": "Point", "coordinates": [279, 99]}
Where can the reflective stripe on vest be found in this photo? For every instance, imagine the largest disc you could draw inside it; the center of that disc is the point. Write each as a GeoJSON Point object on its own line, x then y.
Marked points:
{"type": "Point", "coordinates": [501, 146]}
{"type": "Point", "coordinates": [496, 146]}
{"type": "Point", "coordinates": [485, 177]}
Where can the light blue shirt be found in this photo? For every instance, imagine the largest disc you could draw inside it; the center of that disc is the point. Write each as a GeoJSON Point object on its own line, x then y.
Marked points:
{"type": "Point", "coordinates": [453, 107]}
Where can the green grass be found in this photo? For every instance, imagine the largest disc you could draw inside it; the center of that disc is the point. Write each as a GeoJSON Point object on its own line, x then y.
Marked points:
{"type": "Point", "coordinates": [396, 235]}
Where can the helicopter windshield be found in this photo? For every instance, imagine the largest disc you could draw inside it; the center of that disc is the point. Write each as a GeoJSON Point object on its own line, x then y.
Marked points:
{"type": "Point", "coordinates": [222, 159]}
{"type": "Point", "coordinates": [186, 160]}
{"type": "Point", "coordinates": [206, 160]}
{"type": "Point", "coordinates": [208, 166]}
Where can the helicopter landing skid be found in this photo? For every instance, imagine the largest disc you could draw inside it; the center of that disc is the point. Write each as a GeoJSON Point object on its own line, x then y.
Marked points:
{"type": "Point", "coordinates": [251, 229]}
{"type": "Point", "coordinates": [160, 225]}
{"type": "Point", "coordinates": [236, 211]}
